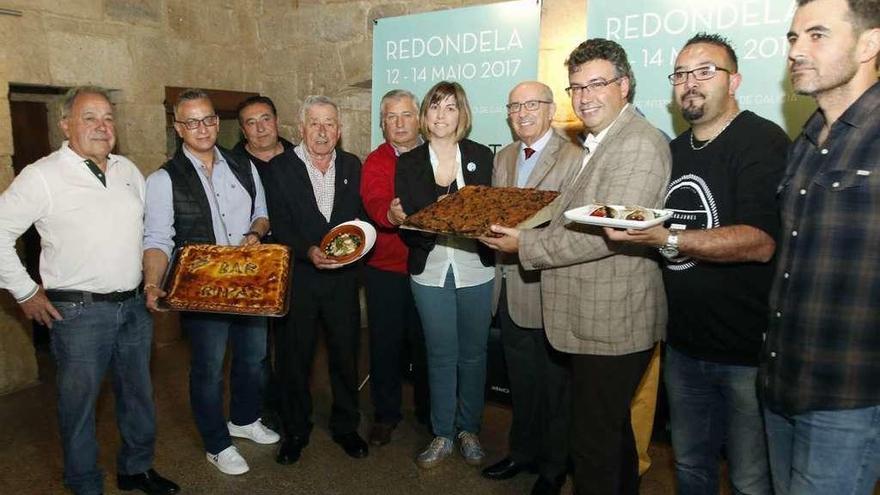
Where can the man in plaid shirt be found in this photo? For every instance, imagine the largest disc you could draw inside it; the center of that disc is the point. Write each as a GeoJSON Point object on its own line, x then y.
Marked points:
{"type": "Point", "coordinates": [820, 371]}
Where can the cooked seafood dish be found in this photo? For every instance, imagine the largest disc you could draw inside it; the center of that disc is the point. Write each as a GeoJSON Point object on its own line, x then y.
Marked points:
{"type": "Point", "coordinates": [343, 245]}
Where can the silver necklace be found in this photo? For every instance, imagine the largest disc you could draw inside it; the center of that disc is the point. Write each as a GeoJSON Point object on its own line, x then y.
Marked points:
{"type": "Point", "coordinates": [713, 137]}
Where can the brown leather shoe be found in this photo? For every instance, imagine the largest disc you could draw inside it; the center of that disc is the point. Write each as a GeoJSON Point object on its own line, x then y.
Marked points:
{"type": "Point", "coordinates": [380, 433]}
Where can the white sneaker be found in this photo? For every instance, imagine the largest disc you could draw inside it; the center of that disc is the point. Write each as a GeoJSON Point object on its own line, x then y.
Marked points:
{"type": "Point", "coordinates": [256, 432]}
{"type": "Point", "coordinates": [229, 461]}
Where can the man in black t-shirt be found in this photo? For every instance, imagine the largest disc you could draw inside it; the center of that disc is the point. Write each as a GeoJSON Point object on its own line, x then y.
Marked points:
{"type": "Point", "coordinates": [718, 248]}
{"type": "Point", "coordinates": [258, 120]}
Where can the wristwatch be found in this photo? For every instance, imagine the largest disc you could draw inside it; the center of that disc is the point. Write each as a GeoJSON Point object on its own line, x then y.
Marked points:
{"type": "Point", "coordinates": [670, 249]}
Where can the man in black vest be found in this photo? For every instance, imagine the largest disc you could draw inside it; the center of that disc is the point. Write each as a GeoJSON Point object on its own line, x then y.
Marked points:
{"type": "Point", "coordinates": [312, 188]}
{"type": "Point", "coordinates": [205, 195]}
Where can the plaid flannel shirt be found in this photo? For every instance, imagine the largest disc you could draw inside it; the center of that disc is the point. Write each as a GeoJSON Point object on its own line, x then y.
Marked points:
{"type": "Point", "coordinates": [822, 348]}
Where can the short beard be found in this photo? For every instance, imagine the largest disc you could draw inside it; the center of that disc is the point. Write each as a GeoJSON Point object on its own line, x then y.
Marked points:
{"type": "Point", "coordinates": [841, 75]}
{"type": "Point", "coordinates": [693, 113]}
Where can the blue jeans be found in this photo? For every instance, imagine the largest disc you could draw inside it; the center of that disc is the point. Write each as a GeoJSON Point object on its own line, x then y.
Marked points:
{"type": "Point", "coordinates": [91, 339]}
{"type": "Point", "coordinates": [208, 334]}
{"type": "Point", "coordinates": [456, 325]}
{"type": "Point", "coordinates": [713, 404]}
{"type": "Point", "coordinates": [825, 452]}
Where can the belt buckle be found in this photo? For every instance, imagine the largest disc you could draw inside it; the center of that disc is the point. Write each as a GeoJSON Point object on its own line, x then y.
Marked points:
{"type": "Point", "coordinates": [87, 297]}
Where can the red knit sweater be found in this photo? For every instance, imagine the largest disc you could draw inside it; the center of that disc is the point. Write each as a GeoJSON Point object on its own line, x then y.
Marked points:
{"type": "Point", "coordinates": [377, 191]}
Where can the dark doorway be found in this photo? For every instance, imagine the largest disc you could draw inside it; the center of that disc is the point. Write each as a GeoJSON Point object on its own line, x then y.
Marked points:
{"type": "Point", "coordinates": [32, 139]}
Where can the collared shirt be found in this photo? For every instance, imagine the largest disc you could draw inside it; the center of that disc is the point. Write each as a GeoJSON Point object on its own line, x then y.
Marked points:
{"type": "Point", "coordinates": [524, 166]}
{"type": "Point", "coordinates": [458, 254]}
{"type": "Point", "coordinates": [323, 183]}
{"type": "Point", "coordinates": [398, 152]}
{"type": "Point", "coordinates": [591, 141]}
{"type": "Point", "coordinates": [229, 201]}
{"type": "Point", "coordinates": [822, 350]}
{"type": "Point", "coordinates": [90, 234]}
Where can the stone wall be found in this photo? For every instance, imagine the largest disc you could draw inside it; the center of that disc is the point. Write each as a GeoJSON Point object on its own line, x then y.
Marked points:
{"type": "Point", "coordinates": [286, 49]}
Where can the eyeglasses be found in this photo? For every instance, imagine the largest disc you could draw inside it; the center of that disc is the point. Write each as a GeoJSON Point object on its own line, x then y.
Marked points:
{"type": "Point", "coordinates": [703, 73]}
{"type": "Point", "coordinates": [590, 88]}
{"type": "Point", "coordinates": [193, 124]}
{"type": "Point", "coordinates": [530, 105]}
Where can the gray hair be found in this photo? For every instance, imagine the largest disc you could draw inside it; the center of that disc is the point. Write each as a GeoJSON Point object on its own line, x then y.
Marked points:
{"type": "Point", "coordinates": [190, 95]}
{"type": "Point", "coordinates": [71, 95]}
{"type": "Point", "coordinates": [396, 94]}
{"type": "Point", "coordinates": [313, 100]}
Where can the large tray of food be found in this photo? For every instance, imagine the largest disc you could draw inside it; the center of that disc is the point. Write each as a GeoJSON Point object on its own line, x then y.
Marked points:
{"type": "Point", "coordinates": [470, 211]}
{"type": "Point", "coordinates": [249, 280]}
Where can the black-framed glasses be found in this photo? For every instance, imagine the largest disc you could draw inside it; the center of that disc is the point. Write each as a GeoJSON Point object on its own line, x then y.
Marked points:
{"type": "Point", "coordinates": [193, 124]}
{"type": "Point", "coordinates": [703, 73]}
{"type": "Point", "coordinates": [530, 105]}
{"type": "Point", "coordinates": [575, 89]}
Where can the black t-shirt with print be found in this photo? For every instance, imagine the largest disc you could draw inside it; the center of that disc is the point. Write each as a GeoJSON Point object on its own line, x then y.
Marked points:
{"type": "Point", "coordinates": [718, 311]}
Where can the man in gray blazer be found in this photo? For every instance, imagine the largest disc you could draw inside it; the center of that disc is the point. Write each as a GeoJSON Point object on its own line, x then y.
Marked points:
{"type": "Point", "coordinates": [539, 381]}
{"type": "Point", "coordinates": [603, 303]}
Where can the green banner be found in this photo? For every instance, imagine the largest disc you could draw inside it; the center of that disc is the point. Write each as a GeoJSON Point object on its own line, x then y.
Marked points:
{"type": "Point", "coordinates": [653, 32]}
{"type": "Point", "coordinates": [487, 49]}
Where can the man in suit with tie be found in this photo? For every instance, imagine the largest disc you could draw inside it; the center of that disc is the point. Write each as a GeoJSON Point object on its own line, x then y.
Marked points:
{"type": "Point", "coordinates": [538, 374]}
{"type": "Point", "coordinates": [603, 303]}
{"type": "Point", "coordinates": [312, 188]}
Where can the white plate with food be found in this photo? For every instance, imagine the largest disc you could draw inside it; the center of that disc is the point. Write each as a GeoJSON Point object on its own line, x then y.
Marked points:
{"type": "Point", "coordinates": [618, 216]}
{"type": "Point", "coordinates": [349, 241]}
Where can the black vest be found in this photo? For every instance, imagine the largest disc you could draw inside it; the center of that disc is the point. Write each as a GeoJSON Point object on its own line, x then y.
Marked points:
{"type": "Point", "coordinates": [192, 213]}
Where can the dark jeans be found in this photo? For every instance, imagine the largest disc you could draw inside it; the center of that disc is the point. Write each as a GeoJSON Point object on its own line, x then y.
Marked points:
{"type": "Point", "coordinates": [91, 339]}
{"type": "Point", "coordinates": [711, 404]}
{"type": "Point", "coordinates": [334, 301]}
{"type": "Point", "coordinates": [395, 328]}
{"type": "Point", "coordinates": [540, 391]}
{"type": "Point", "coordinates": [208, 335]}
{"type": "Point", "coordinates": [603, 448]}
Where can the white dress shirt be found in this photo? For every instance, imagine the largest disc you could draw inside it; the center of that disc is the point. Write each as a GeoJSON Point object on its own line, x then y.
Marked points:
{"type": "Point", "coordinates": [591, 142]}
{"type": "Point", "coordinates": [90, 234]}
{"type": "Point", "coordinates": [458, 254]}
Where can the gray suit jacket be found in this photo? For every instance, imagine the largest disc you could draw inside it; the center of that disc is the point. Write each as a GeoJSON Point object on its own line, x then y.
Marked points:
{"type": "Point", "coordinates": [553, 167]}
{"type": "Point", "coordinates": [600, 297]}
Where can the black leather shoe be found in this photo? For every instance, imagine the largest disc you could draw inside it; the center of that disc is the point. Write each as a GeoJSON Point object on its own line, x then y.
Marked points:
{"type": "Point", "coordinates": [546, 486]}
{"type": "Point", "coordinates": [352, 444]}
{"type": "Point", "coordinates": [148, 482]}
{"type": "Point", "coordinates": [380, 433]}
{"type": "Point", "coordinates": [506, 468]}
{"type": "Point", "coordinates": [291, 449]}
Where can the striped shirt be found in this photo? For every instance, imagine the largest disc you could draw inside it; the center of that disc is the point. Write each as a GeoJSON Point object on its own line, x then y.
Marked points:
{"type": "Point", "coordinates": [822, 349]}
{"type": "Point", "coordinates": [323, 183]}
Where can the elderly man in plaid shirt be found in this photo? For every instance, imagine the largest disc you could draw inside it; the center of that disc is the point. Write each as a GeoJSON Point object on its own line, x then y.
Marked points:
{"type": "Point", "coordinates": [821, 364]}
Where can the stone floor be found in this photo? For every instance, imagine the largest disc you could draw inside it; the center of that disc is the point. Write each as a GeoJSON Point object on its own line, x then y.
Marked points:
{"type": "Point", "coordinates": [30, 456]}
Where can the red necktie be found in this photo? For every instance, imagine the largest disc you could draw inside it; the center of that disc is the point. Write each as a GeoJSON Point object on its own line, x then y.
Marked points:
{"type": "Point", "coordinates": [529, 152]}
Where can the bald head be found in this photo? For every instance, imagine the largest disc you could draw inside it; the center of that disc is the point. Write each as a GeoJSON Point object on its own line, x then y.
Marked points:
{"type": "Point", "coordinates": [530, 108]}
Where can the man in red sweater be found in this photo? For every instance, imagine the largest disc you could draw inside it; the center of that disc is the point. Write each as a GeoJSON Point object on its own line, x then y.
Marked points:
{"type": "Point", "coordinates": [391, 312]}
